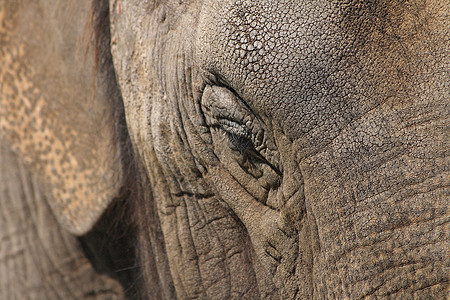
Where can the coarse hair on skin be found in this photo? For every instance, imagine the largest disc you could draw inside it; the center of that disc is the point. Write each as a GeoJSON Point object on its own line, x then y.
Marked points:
{"type": "Point", "coordinates": [132, 221]}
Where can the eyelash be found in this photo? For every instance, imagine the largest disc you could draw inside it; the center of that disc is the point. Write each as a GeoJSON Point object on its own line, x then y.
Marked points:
{"type": "Point", "coordinates": [236, 129]}
{"type": "Point", "coordinates": [242, 140]}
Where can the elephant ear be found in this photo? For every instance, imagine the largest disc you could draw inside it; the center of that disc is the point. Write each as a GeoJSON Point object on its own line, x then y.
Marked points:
{"type": "Point", "coordinates": [57, 110]}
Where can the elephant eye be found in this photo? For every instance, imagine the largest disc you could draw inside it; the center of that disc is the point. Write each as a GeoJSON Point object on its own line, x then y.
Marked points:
{"type": "Point", "coordinates": [223, 110]}
{"type": "Point", "coordinates": [241, 129]}
{"type": "Point", "coordinates": [239, 135]}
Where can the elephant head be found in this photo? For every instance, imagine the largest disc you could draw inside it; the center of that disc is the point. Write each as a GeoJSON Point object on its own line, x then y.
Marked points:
{"type": "Point", "coordinates": [295, 149]}
{"type": "Point", "coordinates": [285, 149]}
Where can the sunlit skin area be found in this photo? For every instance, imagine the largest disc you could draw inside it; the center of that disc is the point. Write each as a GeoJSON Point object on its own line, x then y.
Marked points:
{"type": "Point", "coordinates": [232, 149]}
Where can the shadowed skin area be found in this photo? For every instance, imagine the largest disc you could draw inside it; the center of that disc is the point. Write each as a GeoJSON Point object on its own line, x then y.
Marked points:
{"type": "Point", "coordinates": [272, 149]}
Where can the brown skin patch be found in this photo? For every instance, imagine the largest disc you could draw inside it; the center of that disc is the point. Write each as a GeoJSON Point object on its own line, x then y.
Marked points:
{"type": "Point", "coordinates": [53, 117]}
{"type": "Point", "coordinates": [27, 124]}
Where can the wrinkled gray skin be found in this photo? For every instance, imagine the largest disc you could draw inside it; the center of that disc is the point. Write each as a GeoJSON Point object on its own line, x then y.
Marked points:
{"type": "Point", "coordinates": [287, 149]}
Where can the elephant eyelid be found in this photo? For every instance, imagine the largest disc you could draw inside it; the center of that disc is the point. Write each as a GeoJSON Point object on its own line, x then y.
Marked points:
{"type": "Point", "coordinates": [245, 104]}
{"type": "Point", "coordinates": [241, 125]}
{"type": "Point", "coordinates": [219, 81]}
{"type": "Point", "coordinates": [223, 109]}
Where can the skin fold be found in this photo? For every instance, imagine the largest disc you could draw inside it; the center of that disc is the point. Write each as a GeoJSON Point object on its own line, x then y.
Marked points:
{"type": "Point", "coordinates": [237, 149]}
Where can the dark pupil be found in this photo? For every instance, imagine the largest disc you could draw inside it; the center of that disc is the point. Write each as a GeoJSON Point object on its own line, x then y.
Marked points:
{"type": "Point", "coordinates": [240, 143]}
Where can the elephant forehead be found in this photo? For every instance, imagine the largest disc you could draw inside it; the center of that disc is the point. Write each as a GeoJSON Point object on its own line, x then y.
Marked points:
{"type": "Point", "coordinates": [277, 50]}
{"type": "Point", "coordinates": [258, 37]}
{"type": "Point", "coordinates": [307, 64]}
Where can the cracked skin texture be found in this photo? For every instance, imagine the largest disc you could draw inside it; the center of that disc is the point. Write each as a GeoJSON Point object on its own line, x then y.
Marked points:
{"type": "Point", "coordinates": [293, 149]}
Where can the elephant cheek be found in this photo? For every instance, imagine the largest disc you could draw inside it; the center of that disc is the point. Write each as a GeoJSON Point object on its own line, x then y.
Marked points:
{"type": "Point", "coordinates": [379, 207]}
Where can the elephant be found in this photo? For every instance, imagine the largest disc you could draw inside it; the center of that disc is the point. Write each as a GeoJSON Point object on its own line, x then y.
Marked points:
{"type": "Point", "coordinates": [233, 149]}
